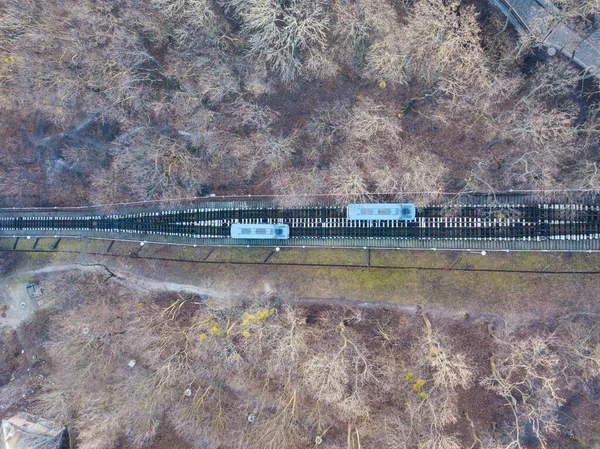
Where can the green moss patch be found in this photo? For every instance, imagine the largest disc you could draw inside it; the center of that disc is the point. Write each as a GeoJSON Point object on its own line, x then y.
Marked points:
{"type": "Point", "coordinates": [7, 243]}
{"type": "Point", "coordinates": [175, 252]}
{"type": "Point", "coordinates": [320, 256]}
{"type": "Point", "coordinates": [71, 245]}
{"type": "Point", "coordinates": [529, 261]}
{"type": "Point", "coordinates": [414, 259]}
{"type": "Point", "coordinates": [126, 249]}
{"type": "Point", "coordinates": [45, 244]}
{"type": "Point", "coordinates": [234, 254]}
{"type": "Point", "coordinates": [25, 244]}
{"type": "Point", "coordinates": [97, 246]}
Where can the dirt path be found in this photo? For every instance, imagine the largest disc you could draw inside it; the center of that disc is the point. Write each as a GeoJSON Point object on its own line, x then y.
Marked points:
{"type": "Point", "coordinates": [128, 280]}
{"type": "Point", "coordinates": [13, 294]}
{"type": "Point", "coordinates": [146, 284]}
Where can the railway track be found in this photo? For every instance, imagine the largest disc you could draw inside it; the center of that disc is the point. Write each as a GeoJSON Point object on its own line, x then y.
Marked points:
{"type": "Point", "coordinates": [478, 224]}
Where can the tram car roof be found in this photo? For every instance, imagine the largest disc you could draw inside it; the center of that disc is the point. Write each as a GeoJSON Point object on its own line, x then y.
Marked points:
{"type": "Point", "coordinates": [382, 211]}
{"type": "Point", "coordinates": [260, 231]}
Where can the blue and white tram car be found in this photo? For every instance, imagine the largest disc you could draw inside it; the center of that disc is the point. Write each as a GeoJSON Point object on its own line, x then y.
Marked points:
{"type": "Point", "coordinates": [260, 231]}
{"type": "Point", "coordinates": [382, 211]}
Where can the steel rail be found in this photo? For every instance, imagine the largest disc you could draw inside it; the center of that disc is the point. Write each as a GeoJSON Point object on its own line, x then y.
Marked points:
{"type": "Point", "coordinates": [322, 224]}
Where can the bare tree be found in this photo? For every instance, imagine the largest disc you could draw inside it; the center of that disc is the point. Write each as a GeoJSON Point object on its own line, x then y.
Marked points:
{"type": "Point", "coordinates": [455, 61]}
{"type": "Point", "coordinates": [197, 12]}
{"type": "Point", "coordinates": [282, 33]}
{"type": "Point", "coordinates": [543, 139]}
{"type": "Point", "coordinates": [346, 178]}
{"type": "Point", "coordinates": [157, 166]}
{"type": "Point", "coordinates": [303, 187]}
{"type": "Point", "coordinates": [372, 124]}
{"type": "Point", "coordinates": [525, 372]}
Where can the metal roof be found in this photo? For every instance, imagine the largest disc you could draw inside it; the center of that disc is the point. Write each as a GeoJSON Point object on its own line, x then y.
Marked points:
{"type": "Point", "coordinates": [260, 231]}
{"type": "Point", "coordinates": [381, 211]}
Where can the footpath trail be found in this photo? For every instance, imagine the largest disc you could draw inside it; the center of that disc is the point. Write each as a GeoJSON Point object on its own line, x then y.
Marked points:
{"type": "Point", "coordinates": [540, 18]}
{"type": "Point", "coordinates": [127, 279]}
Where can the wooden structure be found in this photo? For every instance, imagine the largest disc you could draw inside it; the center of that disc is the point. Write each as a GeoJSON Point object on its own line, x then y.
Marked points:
{"type": "Point", "coordinates": [25, 431]}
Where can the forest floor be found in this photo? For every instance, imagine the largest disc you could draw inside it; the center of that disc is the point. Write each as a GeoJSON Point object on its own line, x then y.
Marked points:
{"type": "Point", "coordinates": [461, 292]}
{"type": "Point", "coordinates": [235, 127]}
